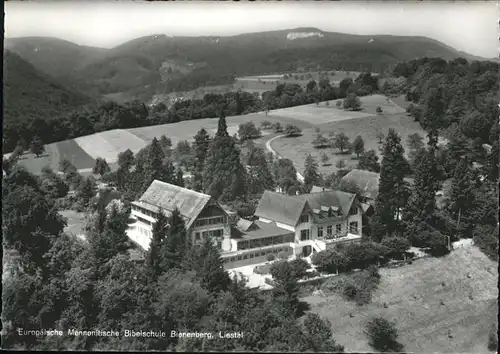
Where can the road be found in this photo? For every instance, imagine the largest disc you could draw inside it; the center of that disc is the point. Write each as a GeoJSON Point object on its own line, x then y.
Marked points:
{"type": "Point", "coordinates": [271, 150]}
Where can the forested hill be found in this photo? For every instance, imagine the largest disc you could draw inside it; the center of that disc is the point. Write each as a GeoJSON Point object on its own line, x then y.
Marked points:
{"type": "Point", "coordinates": [160, 63]}
{"type": "Point", "coordinates": [30, 94]}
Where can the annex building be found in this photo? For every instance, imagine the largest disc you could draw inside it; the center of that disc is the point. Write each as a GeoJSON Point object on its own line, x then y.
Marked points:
{"type": "Point", "coordinates": [294, 225]}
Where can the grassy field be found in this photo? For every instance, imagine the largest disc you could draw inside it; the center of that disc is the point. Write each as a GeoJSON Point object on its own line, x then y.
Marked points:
{"type": "Point", "coordinates": [367, 124]}
{"type": "Point", "coordinates": [414, 294]}
{"type": "Point", "coordinates": [83, 151]}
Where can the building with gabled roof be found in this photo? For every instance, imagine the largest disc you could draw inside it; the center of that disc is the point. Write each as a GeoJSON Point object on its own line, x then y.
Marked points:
{"type": "Point", "coordinates": [367, 183]}
{"type": "Point", "coordinates": [318, 220]}
{"type": "Point", "coordinates": [202, 214]}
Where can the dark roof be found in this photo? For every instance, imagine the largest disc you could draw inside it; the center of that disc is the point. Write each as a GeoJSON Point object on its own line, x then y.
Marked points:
{"type": "Point", "coordinates": [279, 207]}
{"type": "Point", "coordinates": [329, 199]}
{"type": "Point", "coordinates": [367, 182]}
{"type": "Point", "coordinates": [168, 196]}
{"type": "Point", "coordinates": [262, 230]}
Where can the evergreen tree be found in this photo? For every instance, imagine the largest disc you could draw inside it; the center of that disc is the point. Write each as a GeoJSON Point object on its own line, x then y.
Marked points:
{"type": "Point", "coordinates": [223, 174]}
{"type": "Point", "coordinates": [209, 267]}
{"type": "Point", "coordinates": [434, 112]}
{"type": "Point", "coordinates": [311, 174]}
{"type": "Point", "coordinates": [421, 205]}
{"type": "Point", "coordinates": [461, 201]}
{"type": "Point", "coordinates": [392, 188]}
{"type": "Point", "coordinates": [179, 178]}
{"type": "Point", "coordinates": [200, 148]}
{"type": "Point", "coordinates": [154, 258]}
{"type": "Point", "coordinates": [153, 165]}
{"type": "Point", "coordinates": [174, 246]}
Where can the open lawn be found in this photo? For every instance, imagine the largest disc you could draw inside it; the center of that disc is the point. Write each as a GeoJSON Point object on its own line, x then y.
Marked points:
{"type": "Point", "coordinates": [186, 130]}
{"type": "Point", "coordinates": [298, 148]}
{"type": "Point", "coordinates": [414, 294]}
{"type": "Point", "coordinates": [320, 114]}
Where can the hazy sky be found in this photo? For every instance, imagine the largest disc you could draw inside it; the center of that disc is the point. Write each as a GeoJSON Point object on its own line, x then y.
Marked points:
{"type": "Point", "coordinates": [469, 26]}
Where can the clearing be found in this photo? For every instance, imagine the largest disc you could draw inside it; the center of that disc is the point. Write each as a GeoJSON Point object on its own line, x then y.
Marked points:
{"type": "Point", "coordinates": [75, 222]}
{"type": "Point", "coordinates": [414, 294]}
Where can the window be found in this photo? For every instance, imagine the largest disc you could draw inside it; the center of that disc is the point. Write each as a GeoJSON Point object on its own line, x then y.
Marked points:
{"type": "Point", "coordinates": [252, 255]}
{"type": "Point", "coordinates": [211, 221]}
{"type": "Point", "coordinates": [197, 236]}
{"type": "Point", "coordinates": [239, 258]}
{"type": "Point", "coordinates": [330, 213]}
{"type": "Point", "coordinates": [219, 245]}
{"type": "Point", "coordinates": [304, 235]}
{"type": "Point", "coordinates": [329, 230]}
{"type": "Point", "coordinates": [320, 231]}
{"type": "Point", "coordinates": [338, 228]}
{"type": "Point", "coordinates": [353, 210]}
{"type": "Point", "coordinates": [304, 218]}
{"type": "Point", "coordinates": [245, 256]}
{"type": "Point", "coordinates": [353, 227]}
{"type": "Point", "coordinates": [213, 233]}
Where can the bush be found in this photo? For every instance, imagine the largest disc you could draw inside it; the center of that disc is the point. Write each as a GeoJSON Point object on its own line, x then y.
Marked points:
{"type": "Point", "coordinates": [270, 257]}
{"type": "Point", "coordinates": [350, 291]}
{"type": "Point", "coordinates": [292, 130]}
{"type": "Point", "coordinates": [299, 267]}
{"type": "Point", "coordinates": [352, 102]}
{"type": "Point", "coordinates": [338, 104]}
{"type": "Point", "coordinates": [248, 131]}
{"type": "Point", "coordinates": [379, 110]}
{"type": "Point", "coordinates": [383, 335]}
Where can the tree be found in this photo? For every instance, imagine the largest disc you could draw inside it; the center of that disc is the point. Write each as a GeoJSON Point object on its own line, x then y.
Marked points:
{"type": "Point", "coordinates": [286, 174]}
{"type": "Point", "coordinates": [200, 148]}
{"type": "Point", "coordinates": [311, 174]}
{"type": "Point", "coordinates": [369, 161]}
{"type": "Point", "coordinates": [319, 335]}
{"type": "Point", "coordinates": [421, 206]}
{"type": "Point", "coordinates": [248, 131]}
{"type": "Point", "coordinates": [101, 167]}
{"type": "Point", "coordinates": [154, 258]}
{"type": "Point", "coordinates": [153, 165]}
{"type": "Point", "coordinates": [349, 187]}
{"type": "Point", "coordinates": [383, 335]}
{"type": "Point", "coordinates": [260, 177]}
{"type": "Point", "coordinates": [352, 102]}
{"type": "Point", "coordinates": [341, 142]}
{"type": "Point", "coordinates": [175, 245]}
{"type": "Point", "coordinates": [433, 114]}
{"type": "Point", "coordinates": [292, 130]}
{"type": "Point", "coordinates": [36, 146]}
{"type": "Point", "coordinates": [209, 267]}
{"type": "Point", "coordinates": [461, 200]}
{"type": "Point", "coordinates": [415, 145]}
{"type": "Point", "coordinates": [320, 141]}
{"type": "Point", "coordinates": [380, 137]}
{"type": "Point", "coordinates": [278, 127]}
{"type": "Point", "coordinates": [379, 110]}
{"type": "Point", "coordinates": [338, 103]}
{"type": "Point", "coordinates": [223, 174]}
{"type": "Point", "coordinates": [397, 246]}
{"type": "Point", "coordinates": [325, 158]}
{"type": "Point", "coordinates": [392, 187]}
{"type": "Point", "coordinates": [85, 191]}
{"type": "Point", "coordinates": [358, 145]}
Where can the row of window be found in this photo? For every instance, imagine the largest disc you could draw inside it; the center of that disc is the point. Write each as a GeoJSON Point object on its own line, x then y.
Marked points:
{"type": "Point", "coordinates": [329, 230]}
{"type": "Point", "coordinates": [210, 233]}
{"type": "Point", "coordinates": [353, 227]}
{"type": "Point", "coordinates": [211, 221]}
{"type": "Point", "coordinates": [144, 221]}
{"type": "Point", "coordinates": [268, 241]}
{"type": "Point", "coordinates": [144, 211]}
{"type": "Point", "coordinates": [353, 211]}
{"type": "Point", "coordinates": [255, 254]}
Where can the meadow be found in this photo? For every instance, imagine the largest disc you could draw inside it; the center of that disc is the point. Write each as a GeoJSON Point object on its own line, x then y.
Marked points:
{"type": "Point", "coordinates": [428, 300]}
{"type": "Point", "coordinates": [83, 151]}
{"type": "Point", "coordinates": [330, 119]}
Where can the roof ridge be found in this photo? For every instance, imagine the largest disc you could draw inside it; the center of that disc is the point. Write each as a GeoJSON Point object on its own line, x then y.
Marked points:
{"type": "Point", "coordinates": [181, 188]}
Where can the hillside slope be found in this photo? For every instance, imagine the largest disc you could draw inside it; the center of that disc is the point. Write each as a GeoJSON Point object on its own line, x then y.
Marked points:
{"type": "Point", "coordinates": [30, 94]}
{"type": "Point", "coordinates": [160, 63]}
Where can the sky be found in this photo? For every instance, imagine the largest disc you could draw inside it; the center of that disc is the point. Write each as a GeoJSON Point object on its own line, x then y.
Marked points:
{"type": "Point", "coordinates": [469, 26]}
